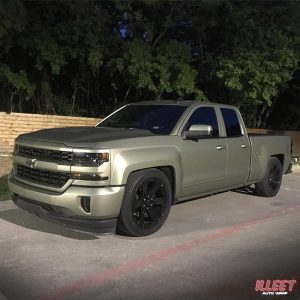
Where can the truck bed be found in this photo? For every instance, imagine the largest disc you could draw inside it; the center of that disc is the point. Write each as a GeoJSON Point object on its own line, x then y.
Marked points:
{"type": "Point", "coordinates": [265, 146]}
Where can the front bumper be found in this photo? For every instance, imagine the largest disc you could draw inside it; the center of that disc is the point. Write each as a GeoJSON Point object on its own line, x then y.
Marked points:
{"type": "Point", "coordinates": [105, 204]}
{"type": "Point", "coordinates": [44, 211]}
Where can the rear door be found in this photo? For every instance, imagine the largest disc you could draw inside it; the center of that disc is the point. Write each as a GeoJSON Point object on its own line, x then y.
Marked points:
{"type": "Point", "coordinates": [238, 148]}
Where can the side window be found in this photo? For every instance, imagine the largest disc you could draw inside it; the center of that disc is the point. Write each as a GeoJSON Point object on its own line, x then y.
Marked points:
{"type": "Point", "coordinates": [231, 121]}
{"type": "Point", "coordinates": [204, 116]}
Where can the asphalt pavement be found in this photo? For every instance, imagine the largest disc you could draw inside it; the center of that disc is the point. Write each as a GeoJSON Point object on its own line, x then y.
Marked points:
{"type": "Point", "coordinates": [215, 247]}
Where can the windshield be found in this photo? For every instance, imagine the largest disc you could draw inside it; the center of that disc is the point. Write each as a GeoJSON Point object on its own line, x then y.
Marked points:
{"type": "Point", "coordinates": [159, 119]}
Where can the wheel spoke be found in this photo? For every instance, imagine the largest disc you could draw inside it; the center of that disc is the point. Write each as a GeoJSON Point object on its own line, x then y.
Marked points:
{"type": "Point", "coordinates": [141, 220]}
{"type": "Point", "coordinates": [155, 187]}
{"type": "Point", "coordinates": [151, 213]}
{"type": "Point", "coordinates": [136, 204]}
{"type": "Point", "coordinates": [145, 188]}
{"type": "Point", "coordinates": [274, 179]}
{"type": "Point", "coordinates": [150, 202]}
{"type": "Point", "coordinates": [159, 201]}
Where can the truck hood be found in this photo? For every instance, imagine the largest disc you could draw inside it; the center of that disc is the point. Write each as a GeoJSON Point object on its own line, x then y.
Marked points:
{"type": "Point", "coordinates": [82, 137]}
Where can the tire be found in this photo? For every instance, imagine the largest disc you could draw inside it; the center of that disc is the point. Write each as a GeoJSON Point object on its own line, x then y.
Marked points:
{"type": "Point", "coordinates": [146, 203]}
{"type": "Point", "coordinates": [271, 183]}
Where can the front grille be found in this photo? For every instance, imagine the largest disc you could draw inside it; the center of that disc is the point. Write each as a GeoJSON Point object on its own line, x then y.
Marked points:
{"type": "Point", "coordinates": [44, 177]}
{"type": "Point", "coordinates": [45, 154]}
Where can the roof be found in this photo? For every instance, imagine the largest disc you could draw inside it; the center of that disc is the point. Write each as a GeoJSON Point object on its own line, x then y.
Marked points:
{"type": "Point", "coordinates": [181, 102]}
{"type": "Point", "coordinates": [165, 102]}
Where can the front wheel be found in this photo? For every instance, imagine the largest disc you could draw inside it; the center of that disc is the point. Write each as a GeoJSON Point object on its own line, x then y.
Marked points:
{"type": "Point", "coordinates": [271, 183]}
{"type": "Point", "coordinates": [146, 204]}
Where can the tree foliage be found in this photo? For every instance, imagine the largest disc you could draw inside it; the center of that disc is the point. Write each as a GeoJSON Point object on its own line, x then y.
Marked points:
{"type": "Point", "coordinates": [89, 57]}
{"type": "Point", "coordinates": [259, 66]}
{"type": "Point", "coordinates": [157, 71]}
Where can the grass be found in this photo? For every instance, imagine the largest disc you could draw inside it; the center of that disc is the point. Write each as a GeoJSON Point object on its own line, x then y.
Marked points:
{"type": "Point", "coordinates": [4, 193]}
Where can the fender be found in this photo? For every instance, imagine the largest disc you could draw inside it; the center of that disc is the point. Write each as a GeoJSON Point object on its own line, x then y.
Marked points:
{"type": "Point", "coordinates": [128, 161]}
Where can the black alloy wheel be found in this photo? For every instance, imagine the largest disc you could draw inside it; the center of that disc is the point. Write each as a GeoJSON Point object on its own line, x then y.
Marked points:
{"type": "Point", "coordinates": [150, 202]}
{"type": "Point", "coordinates": [270, 184]}
{"type": "Point", "coordinates": [146, 203]}
{"type": "Point", "coordinates": [275, 177]}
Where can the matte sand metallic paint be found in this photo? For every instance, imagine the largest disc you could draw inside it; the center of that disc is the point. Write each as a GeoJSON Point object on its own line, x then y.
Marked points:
{"type": "Point", "coordinates": [199, 167]}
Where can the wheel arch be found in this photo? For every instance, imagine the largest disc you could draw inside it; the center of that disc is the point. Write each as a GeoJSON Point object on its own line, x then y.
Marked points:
{"type": "Point", "coordinates": [140, 215]}
{"type": "Point", "coordinates": [270, 184]}
{"type": "Point", "coordinates": [169, 171]}
{"type": "Point", "coordinates": [280, 157]}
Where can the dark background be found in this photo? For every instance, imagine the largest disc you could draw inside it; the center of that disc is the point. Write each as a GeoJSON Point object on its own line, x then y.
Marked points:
{"type": "Point", "coordinates": [86, 58]}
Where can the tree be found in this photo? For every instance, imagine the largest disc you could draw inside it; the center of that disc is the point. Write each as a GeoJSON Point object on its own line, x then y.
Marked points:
{"type": "Point", "coordinates": [255, 79]}
{"type": "Point", "coordinates": [16, 85]}
{"type": "Point", "coordinates": [164, 70]}
{"type": "Point", "coordinates": [258, 66]}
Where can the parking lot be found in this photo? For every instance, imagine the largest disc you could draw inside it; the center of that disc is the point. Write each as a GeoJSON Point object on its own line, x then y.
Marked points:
{"type": "Point", "coordinates": [211, 248]}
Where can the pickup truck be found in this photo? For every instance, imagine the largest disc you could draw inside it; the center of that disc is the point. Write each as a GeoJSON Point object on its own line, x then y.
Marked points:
{"type": "Point", "coordinates": [125, 173]}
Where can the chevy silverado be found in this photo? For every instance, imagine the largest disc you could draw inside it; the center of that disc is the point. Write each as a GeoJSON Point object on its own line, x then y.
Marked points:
{"type": "Point", "coordinates": [127, 171]}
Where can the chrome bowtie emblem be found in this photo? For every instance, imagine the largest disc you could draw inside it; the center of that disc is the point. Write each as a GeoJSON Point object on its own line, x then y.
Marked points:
{"type": "Point", "coordinates": [31, 163]}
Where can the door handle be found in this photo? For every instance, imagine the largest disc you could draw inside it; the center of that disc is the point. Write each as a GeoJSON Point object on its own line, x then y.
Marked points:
{"type": "Point", "coordinates": [244, 146]}
{"type": "Point", "coordinates": [220, 147]}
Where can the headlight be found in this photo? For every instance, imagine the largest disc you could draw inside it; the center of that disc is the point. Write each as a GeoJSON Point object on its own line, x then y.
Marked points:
{"type": "Point", "coordinates": [89, 159]}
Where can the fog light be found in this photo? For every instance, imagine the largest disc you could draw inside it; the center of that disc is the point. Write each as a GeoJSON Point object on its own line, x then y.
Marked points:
{"type": "Point", "coordinates": [86, 203]}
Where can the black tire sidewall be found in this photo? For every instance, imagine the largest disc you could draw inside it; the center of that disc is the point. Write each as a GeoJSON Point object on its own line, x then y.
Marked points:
{"type": "Point", "coordinates": [263, 188]}
{"type": "Point", "coordinates": [126, 222]}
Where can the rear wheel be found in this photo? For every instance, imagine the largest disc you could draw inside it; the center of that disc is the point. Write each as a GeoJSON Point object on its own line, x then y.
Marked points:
{"type": "Point", "coordinates": [271, 183]}
{"type": "Point", "coordinates": [146, 204]}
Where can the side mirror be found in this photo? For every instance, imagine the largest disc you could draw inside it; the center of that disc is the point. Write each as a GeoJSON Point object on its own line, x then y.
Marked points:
{"type": "Point", "coordinates": [198, 131]}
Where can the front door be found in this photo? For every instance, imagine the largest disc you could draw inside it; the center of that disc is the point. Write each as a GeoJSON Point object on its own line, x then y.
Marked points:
{"type": "Point", "coordinates": [203, 160]}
